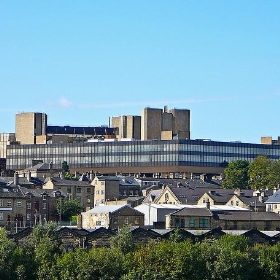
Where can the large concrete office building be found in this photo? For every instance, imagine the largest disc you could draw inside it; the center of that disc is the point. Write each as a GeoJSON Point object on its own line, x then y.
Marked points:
{"type": "Point", "coordinates": [161, 158]}
{"type": "Point", "coordinates": [127, 127]}
{"type": "Point", "coordinates": [154, 123]}
{"type": "Point", "coordinates": [165, 125]}
{"type": "Point", "coordinates": [29, 126]}
{"type": "Point", "coordinates": [32, 128]}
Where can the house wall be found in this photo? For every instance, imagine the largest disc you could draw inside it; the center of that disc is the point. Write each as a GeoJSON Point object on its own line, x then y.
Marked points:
{"type": "Point", "coordinates": [105, 190]}
{"type": "Point", "coordinates": [188, 222]}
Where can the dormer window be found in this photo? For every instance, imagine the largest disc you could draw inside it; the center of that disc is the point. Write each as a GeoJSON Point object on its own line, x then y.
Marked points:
{"type": "Point", "coordinates": [44, 196]}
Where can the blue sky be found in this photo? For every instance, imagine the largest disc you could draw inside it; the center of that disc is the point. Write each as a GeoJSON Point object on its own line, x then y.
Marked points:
{"type": "Point", "coordinates": [82, 62]}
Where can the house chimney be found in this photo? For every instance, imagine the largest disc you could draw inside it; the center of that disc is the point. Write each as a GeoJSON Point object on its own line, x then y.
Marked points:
{"type": "Point", "coordinates": [29, 176]}
{"type": "Point", "coordinates": [91, 175]}
{"type": "Point", "coordinates": [237, 191]}
{"type": "Point", "coordinates": [16, 178]}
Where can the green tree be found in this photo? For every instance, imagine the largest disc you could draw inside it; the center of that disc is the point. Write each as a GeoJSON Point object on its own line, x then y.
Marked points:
{"type": "Point", "coordinates": [274, 174]}
{"type": "Point", "coordinates": [39, 252]}
{"type": "Point", "coordinates": [259, 170]}
{"type": "Point", "coordinates": [68, 208]}
{"type": "Point", "coordinates": [65, 167]}
{"type": "Point", "coordinates": [236, 175]}
{"type": "Point", "coordinates": [7, 256]}
{"type": "Point", "coordinates": [123, 240]}
{"type": "Point", "coordinates": [176, 236]}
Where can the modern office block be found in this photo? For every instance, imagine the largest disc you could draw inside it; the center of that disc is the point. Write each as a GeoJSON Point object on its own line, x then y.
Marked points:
{"type": "Point", "coordinates": [127, 127]}
{"type": "Point", "coordinates": [136, 157]}
{"type": "Point", "coordinates": [165, 125]}
{"type": "Point", "coordinates": [30, 125]}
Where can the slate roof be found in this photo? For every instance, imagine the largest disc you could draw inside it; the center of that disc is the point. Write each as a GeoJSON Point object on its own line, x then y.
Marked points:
{"type": "Point", "coordinates": [193, 211]}
{"type": "Point", "coordinates": [252, 201]}
{"type": "Point", "coordinates": [152, 196]}
{"type": "Point", "coordinates": [246, 215]}
{"type": "Point", "coordinates": [109, 209]}
{"type": "Point", "coordinates": [66, 182]}
{"type": "Point", "coordinates": [40, 192]}
{"type": "Point", "coordinates": [275, 198]}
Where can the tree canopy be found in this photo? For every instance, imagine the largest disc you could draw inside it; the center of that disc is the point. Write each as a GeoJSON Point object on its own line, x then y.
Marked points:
{"type": "Point", "coordinates": [67, 208]}
{"type": "Point", "coordinates": [236, 175]}
{"type": "Point", "coordinates": [261, 173]}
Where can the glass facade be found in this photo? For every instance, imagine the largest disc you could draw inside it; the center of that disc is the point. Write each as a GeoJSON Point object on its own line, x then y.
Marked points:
{"type": "Point", "coordinates": [151, 153]}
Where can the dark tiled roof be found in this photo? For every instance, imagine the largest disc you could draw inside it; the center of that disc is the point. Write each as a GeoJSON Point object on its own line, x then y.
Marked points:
{"type": "Point", "coordinates": [193, 212]}
{"type": "Point", "coordinates": [275, 198]}
{"type": "Point", "coordinates": [247, 215]}
{"type": "Point", "coordinates": [65, 182]}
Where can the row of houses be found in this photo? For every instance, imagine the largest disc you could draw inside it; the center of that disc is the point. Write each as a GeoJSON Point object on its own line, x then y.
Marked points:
{"type": "Point", "coordinates": [73, 238]}
{"type": "Point", "coordinates": [190, 217]}
{"type": "Point", "coordinates": [191, 203]}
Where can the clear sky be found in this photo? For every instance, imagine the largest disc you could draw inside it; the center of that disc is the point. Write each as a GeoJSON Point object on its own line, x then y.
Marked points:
{"type": "Point", "coordinates": [82, 62]}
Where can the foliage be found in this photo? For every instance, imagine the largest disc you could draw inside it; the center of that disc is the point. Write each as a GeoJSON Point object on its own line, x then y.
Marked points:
{"type": "Point", "coordinates": [68, 208]}
{"type": "Point", "coordinates": [123, 240]}
{"type": "Point", "coordinates": [7, 256]}
{"type": "Point", "coordinates": [65, 167]}
{"type": "Point", "coordinates": [236, 175]}
{"type": "Point", "coordinates": [39, 251]}
{"type": "Point", "coordinates": [176, 236]}
{"type": "Point", "coordinates": [39, 256]}
{"type": "Point", "coordinates": [259, 172]}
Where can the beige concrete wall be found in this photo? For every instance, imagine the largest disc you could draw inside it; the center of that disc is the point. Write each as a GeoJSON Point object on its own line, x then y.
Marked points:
{"type": "Point", "coordinates": [166, 135]}
{"type": "Point", "coordinates": [167, 122]}
{"type": "Point", "coordinates": [25, 128]}
{"type": "Point", "coordinates": [181, 122]}
{"type": "Point", "coordinates": [151, 124]}
{"type": "Point", "coordinates": [266, 140]}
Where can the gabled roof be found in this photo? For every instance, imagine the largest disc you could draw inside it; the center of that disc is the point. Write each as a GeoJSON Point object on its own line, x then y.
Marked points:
{"type": "Point", "coordinates": [152, 196]}
{"type": "Point", "coordinates": [57, 181]}
{"type": "Point", "coordinates": [190, 211]}
{"type": "Point", "coordinates": [251, 201]}
{"type": "Point", "coordinates": [275, 198]}
{"type": "Point", "coordinates": [246, 215]}
{"type": "Point", "coordinates": [109, 209]}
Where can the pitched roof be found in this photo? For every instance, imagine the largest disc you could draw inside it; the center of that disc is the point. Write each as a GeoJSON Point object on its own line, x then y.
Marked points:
{"type": "Point", "coordinates": [109, 209]}
{"type": "Point", "coordinates": [193, 211]}
{"type": "Point", "coordinates": [275, 198]}
{"type": "Point", "coordinates": [57, 181]}
{"type": "Point", "coordinates": [246, 215]}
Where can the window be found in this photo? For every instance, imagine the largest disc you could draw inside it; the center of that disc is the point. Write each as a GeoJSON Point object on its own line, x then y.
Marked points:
{"type": "Point", "coordinates": [237, 202]}
{"type": "Point", "coordinates": [275, 206]}
{"type": "Point", "coordinates": [69, 190]}
{"type": "Point", "coordinates": [1, 203]}
{"type": "Point", "coordinates": [182, 223]}
{"type": "Point", "coordinates": [79, 190]}
{"type": "Point", "coordinates": [177, 222]}
{"type": "Point", "coordinates": [9, 203]}
{"type": "Point", "coordinates": [44, 205]}
{"type": "Point", "coordinates": [1, 216]}
{"type": "Point", "coordinates": [203, 223]}
{"type": "Point", "coordinates": [28, 217]}
{"type": "Point", "coordinates": [98, 223]}
{"type": "Point", "coordinates": [88, 190]}
{"type": "Point", "coordinates": [44, 196]}
{"type": "Point", "coordinates": [137, 220]}
{"type": "Point", "coordinates": [125, 220]}
{"type": "Point", "coordinates": [191, 222]}
{"type": "Point", "coordinates": [28, 205]}
{"type": "Point", "coordinates": [19, 203]}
